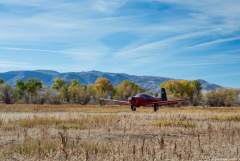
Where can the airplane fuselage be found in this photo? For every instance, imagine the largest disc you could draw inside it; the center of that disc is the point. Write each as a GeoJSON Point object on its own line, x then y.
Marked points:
{"type": "Point", "coordinates": [143, 100]}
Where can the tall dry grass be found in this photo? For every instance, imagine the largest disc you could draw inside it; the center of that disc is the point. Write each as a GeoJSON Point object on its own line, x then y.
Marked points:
{"type": "Point", "coordinates": [94, 135]}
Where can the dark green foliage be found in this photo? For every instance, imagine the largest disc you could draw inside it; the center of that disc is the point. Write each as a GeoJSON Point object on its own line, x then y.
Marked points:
{"type": "Point", "coordinates": [28, 91]}
{"type": "Point", "coordinates": [21, 90]}
{"type": "Point", "coordinates": [58, 84]}
{"type": "Point", "coordinates": [1, 81]}
{"type": "Point", "coordinates": [7, 94]}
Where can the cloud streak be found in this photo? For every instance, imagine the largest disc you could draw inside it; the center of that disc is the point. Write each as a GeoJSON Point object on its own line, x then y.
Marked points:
{"type": "Point", "coordinates": [156, 36]}
{"type": "Point", "coordinates": [215, 42]}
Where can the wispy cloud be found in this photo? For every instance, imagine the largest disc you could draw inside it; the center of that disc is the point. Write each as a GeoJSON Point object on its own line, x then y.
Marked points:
{"type": "Point", "coordinates": [107, 6]}
{"type": "Point", "coordinates": [156, 36]}
{"type": "Point", "coordinates": [32, 50]}
{"type": "Point", "coordinates": [215, 42]}
{"type": "Point", "coordinates": [22, 3]}
{"type": "Point", "coordinates": [159, 45]}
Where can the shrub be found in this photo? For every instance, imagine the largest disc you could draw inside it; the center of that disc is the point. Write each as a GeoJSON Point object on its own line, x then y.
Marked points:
{"type": "Point", "coordinates": [222, 97]}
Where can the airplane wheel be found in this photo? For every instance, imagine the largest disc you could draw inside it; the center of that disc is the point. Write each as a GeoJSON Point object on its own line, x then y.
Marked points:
{"type": "Point", "coordinates": [155, 106]}
{"type": "Point", "coordinates": [133, 108]}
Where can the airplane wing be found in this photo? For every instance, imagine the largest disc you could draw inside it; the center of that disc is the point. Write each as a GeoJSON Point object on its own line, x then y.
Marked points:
{"type": "Point", "coordinates": [118, 102]}
{"type": "Point", "coordinates": [168, 102]}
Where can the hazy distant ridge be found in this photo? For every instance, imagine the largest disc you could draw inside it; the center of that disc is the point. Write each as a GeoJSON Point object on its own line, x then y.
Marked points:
{"type": "Point", "coordinates": [148, 82]}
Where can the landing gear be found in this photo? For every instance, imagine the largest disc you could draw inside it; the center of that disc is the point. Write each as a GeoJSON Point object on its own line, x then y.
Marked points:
{"type": "Point", "coordinates": [133, 108]}
{"type": "Point", "coordinates": [155, 107]}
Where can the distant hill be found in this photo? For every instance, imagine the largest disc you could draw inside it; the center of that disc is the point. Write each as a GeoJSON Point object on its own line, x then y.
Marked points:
{"type": "Point", "coordinates": [150, 83]}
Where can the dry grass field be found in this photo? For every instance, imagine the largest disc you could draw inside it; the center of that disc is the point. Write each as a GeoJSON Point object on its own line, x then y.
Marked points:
{"type": "Point", "coordinates": [94, 133]}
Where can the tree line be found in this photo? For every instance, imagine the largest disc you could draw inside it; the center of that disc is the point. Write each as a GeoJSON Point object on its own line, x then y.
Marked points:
{"type": "Point", "coordinates": [192, 92]}
{"type": "Point", "coordinates": [35, 92]}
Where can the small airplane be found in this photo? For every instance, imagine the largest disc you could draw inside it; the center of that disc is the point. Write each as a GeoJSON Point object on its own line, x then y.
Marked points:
{"type": "Point", "coordinates": [147, 100]}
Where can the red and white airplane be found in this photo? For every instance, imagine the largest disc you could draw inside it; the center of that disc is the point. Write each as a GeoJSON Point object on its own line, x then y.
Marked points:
{"type": "Point", "coordinates": [147, 101]}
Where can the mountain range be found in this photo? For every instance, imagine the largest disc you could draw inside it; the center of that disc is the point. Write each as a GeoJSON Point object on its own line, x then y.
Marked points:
{"type": "Point", "coordinates": [150, 83]}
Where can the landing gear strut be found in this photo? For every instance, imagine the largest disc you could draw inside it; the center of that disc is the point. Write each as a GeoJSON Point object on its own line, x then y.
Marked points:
{"type": "Point", "coordinates": [155, 107]}
{"type": "Point", "coordinates": [133, 108]}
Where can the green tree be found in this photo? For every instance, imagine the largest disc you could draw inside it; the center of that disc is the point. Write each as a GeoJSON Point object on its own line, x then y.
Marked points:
{"type": "Point", "coordinates": [32, 88]}
{"type": "Point", "coordinates": [21, 90]}
{"type": "Point", "coordinates": [1, 81]}
{"type": "Point", "coordinates": [78, 93]}
{"type": "Point", "coordinates": [197, 95]}
{"type": "Point", "coordinates": [58, 84]}
{"type": "Point", "coordinates": [74, 91]}
{"type": "Point", "coordinates": [61, 87]}
{"type": "Point", "coordinates": [126, 89]}
{"type": "Point", "coordinates": [6, 93]}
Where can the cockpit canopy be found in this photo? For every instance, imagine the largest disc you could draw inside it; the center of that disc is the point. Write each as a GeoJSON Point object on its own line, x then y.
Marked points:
{"type": "Point", "coordinates": [146, 96]}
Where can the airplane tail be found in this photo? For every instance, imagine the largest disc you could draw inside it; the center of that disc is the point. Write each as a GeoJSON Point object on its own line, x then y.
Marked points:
{"type": "Point", "coordinates": [163, 94]}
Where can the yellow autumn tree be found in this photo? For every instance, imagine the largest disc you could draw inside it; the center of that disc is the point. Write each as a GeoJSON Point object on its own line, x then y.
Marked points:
{"type": "Point", "coordinates": [190, 90]}
{"type": "Point", "coordinates": [103, 88]}
{"type": "Point", "coordinates": [126, 89]}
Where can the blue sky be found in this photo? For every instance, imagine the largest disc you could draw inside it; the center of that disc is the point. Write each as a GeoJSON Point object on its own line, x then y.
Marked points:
{"type": "Point", "coordinates": [187, 39]}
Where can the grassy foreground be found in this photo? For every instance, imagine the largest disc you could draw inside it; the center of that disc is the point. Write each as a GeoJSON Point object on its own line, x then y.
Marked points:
{"type": "Point", "coordinates": [74, 132]}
